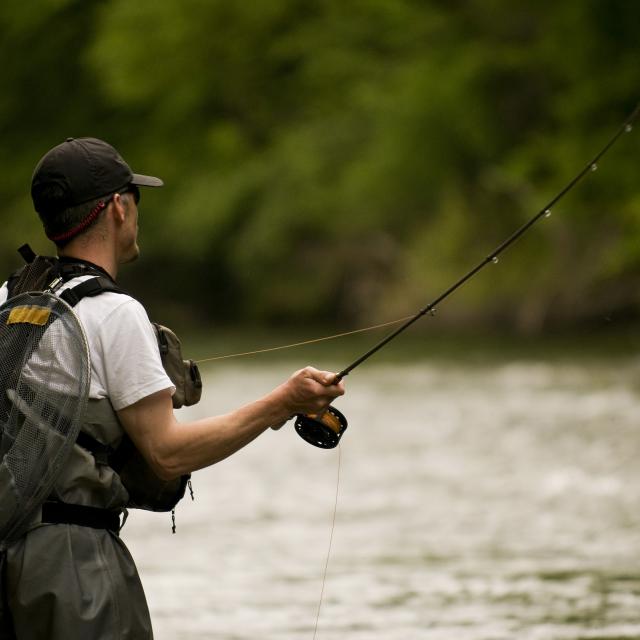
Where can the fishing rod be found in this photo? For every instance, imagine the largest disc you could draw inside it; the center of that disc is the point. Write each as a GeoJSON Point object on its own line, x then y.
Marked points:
{"type": "Point", "coordinates": [325, 430]}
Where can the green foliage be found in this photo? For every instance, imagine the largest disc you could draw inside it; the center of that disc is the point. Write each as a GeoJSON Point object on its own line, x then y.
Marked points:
{"type": "Point", "coordinates": [344, 162]}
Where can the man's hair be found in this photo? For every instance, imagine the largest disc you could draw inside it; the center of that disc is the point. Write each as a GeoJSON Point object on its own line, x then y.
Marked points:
{"type": "Point", "coordinates": [84, 215]}
{"type": "Point", "coordinates": [55, 225]}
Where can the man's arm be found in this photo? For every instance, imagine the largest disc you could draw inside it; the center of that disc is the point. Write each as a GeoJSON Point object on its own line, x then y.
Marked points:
{"type": "Point", "coordinates": [172, 448]}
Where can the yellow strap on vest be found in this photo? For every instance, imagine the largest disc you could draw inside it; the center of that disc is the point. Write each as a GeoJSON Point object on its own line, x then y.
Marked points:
{"type": "Point", "coordinates": [30, 315]}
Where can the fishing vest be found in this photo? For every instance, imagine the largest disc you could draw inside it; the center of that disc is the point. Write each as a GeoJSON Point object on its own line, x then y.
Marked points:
{"type": "Point", "coordinates": [106, 471]}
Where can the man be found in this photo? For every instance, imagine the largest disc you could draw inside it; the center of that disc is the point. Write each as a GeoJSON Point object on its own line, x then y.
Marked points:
{"type": "Point", "coordinates": [71, 576]}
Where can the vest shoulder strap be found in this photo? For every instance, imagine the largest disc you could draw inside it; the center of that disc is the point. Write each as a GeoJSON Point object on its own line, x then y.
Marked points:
{"type": "Point", "coordinates": [89, 288]}
{"type": "Point", "coordinates": [48, 273]}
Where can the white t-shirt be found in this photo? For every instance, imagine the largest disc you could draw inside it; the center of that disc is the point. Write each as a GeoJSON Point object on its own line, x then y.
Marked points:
{"type": "Point", "coordinates": [125, 360]}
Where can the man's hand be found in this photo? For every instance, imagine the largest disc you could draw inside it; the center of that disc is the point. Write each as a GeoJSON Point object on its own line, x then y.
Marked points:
{"type": "Point", "coordinates": [308, 391]}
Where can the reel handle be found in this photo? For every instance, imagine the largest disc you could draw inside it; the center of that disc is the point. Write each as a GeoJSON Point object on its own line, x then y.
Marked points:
{"type": "Point", "coordinates": [322, 430]}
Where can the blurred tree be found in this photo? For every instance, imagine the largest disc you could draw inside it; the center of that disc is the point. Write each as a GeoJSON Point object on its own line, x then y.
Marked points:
{"type": "Point", "coordinates": [343, 162]}
{"type": "Point", "coordinates": [48, 95]}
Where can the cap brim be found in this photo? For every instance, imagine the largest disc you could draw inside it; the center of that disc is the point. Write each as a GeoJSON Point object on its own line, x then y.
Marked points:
{"type": "Point", "coordinates": [146, 181]}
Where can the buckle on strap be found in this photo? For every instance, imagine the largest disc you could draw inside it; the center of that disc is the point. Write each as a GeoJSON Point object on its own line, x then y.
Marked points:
{"type": "Point", "coordinates": [54, 512]}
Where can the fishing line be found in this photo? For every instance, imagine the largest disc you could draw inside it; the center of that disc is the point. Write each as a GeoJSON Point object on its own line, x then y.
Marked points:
{"type": "Point", "coordinates": [325, 430]}
{"type": "Point", "coordinates": [333, 526]}
{"type": "Point", "coordinates": [304, 342]}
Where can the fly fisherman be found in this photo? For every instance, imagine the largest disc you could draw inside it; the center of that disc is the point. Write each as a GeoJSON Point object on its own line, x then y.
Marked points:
{"type": "Point", "coordinates": [71, 576]}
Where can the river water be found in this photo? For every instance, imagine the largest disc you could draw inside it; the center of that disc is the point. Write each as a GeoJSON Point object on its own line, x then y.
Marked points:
{"type": "Point", "coordinates": [483, 502]}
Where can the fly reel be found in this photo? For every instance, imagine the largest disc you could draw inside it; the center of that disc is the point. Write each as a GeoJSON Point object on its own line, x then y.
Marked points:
{"type": "Point", "coordinates": [323, 430]}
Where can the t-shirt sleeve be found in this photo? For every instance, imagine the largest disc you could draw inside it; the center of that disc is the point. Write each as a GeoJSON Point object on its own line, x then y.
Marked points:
{"type": "Point", "coordinates": [131, 366]}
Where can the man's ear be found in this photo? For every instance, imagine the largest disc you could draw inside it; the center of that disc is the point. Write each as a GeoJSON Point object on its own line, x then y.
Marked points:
{"type": "Point", "coordinates": [119, 208]}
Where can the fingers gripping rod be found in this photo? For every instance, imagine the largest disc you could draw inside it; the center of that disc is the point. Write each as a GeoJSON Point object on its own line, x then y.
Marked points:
{"type": "Point", "coordinates": [325, 430]}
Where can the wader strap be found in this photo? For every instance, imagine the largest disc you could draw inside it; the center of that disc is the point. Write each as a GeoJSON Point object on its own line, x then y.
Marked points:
{"type": "Point", "coordinates": [94, 517]}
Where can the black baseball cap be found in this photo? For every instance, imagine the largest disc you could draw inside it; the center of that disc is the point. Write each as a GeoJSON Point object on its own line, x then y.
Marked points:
{"type": "Point", "coordinates": [80, 170]}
